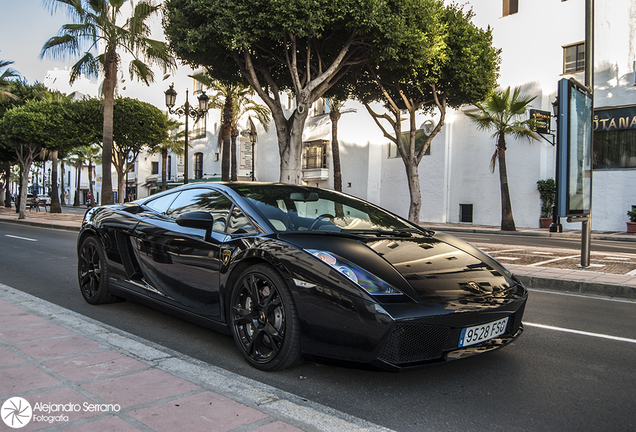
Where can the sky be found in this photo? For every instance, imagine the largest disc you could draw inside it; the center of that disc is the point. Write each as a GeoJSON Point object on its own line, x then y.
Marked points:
{"type": "Point", "coordinates": [26, 26]}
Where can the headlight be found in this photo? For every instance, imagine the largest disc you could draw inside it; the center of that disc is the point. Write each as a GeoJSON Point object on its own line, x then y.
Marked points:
{"type": "Point", "coordinates": [365, 280]}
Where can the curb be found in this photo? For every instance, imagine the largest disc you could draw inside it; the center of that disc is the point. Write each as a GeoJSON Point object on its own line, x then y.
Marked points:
{"type": "Point", "coordinates": [578, 286]}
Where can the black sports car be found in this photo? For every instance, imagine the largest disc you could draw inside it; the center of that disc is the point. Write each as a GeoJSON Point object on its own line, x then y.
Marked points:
{"type": "Point", "coordinates": [291, 270]}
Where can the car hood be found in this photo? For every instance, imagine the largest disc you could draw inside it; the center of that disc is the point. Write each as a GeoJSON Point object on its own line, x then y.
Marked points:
{"type": "Point", "coordinates": [440, 268]}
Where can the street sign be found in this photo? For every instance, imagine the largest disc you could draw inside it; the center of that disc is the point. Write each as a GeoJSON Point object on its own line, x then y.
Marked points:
{"type": "Point", "coordinates": [541, 121]}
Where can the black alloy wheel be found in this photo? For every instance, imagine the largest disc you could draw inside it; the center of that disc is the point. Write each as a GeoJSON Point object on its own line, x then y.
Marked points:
{"type": "Point", "coordinates": [263, 319]}
{"type": "Point", "coordinates": [92, 273]}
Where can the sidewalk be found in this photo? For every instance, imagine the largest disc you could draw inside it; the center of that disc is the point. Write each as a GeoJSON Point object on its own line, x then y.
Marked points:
{"type": "Point", "coordinates": [570, 280]}
{"type": "Point", "coordinates": [81, 375]}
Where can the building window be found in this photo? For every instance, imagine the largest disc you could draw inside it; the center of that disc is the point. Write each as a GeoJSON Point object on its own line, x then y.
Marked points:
{"type": "Point", "coordinates": [614, 149]}
{"type": "Point", "coordinates": [420, 139]}
{"type": "Point", "coordinates": [155, 167]}
{"type": "Point", "coordinates": [315, 155]}
{"type": "Point", "coordinates": [198, 165]}
{"type": "Point", "coordinates": [510, 7]}
{"type": "Point", "coordinates": [169, 168]}
{"type": "Point", "coordinates": [574, 58]}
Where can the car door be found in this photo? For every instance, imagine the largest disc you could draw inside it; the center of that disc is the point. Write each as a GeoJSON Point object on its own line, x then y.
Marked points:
{"type": "Point", "coordinates": [180, 264]}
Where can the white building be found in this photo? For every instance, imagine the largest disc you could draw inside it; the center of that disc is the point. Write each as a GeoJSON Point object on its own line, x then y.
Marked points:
{"type": "Point", "coordinates": [541, 42]}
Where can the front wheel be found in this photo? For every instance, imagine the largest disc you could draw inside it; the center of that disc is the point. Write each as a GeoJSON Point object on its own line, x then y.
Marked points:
{"type": "Point", "coordinates": [92, 273]}
{"type": "Point", "coordinates": [263, 319]}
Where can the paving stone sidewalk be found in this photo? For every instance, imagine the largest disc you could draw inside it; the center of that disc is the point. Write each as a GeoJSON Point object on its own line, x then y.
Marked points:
{"type": "Point", "coordinates": [77, 374]}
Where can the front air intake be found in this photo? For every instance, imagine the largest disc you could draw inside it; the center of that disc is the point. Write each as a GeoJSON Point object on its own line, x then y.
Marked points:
{"type": "Point", "coordinates": [411, 343]}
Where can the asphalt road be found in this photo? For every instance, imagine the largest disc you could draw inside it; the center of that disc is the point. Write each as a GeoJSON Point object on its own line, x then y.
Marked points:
{"type": "Point", "coordinates": [550, 379]}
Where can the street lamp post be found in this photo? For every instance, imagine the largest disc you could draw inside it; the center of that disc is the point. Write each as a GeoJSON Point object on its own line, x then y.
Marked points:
{"type": "Point", "coordinates": [253, 140]}
{"type": "Point", "coordinates": [187, 111]}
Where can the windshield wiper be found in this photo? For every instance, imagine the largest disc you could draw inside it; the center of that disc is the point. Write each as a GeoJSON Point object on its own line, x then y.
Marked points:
{"type": "Point", "coordinates": [406, 232]}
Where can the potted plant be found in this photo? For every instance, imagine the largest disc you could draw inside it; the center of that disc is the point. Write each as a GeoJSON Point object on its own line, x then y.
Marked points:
{"type": "Point", "coordinates": [631, 225]}
{"type": "Point", "coordinates": [547, 189]}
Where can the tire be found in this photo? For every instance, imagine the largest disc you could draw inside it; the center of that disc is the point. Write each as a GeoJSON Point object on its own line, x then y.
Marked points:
{"type": "Point", "coordinates": [263, 319]}
{"type": "Point", "coordinates": [92, 273]}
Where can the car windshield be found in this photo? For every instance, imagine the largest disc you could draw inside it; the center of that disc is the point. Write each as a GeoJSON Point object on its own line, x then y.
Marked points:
{"type": "Point", "coordinates": [297, 208]}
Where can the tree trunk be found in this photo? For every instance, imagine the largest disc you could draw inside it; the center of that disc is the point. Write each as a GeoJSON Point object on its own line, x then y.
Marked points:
{"type": "Point", "coordinates": [55, 198]}
{"type": "Point", "coordinates": [234, 169]}
{"type": "Point", "coordinates": [26, 166]}
{"type": "Point", "coordinates": [122, 176]}
{"type": "Point", "coordinates": [110, 76]}
{"type": "Point", "coordinates": [226, 131]}
{"type": "Point", "coordinates": [4, 186]}
{"type": "Point", "coordinates": [415, 191]}
{"type": "Point", "coordinates": [335, 151]}
{"type": "Point", "coordinates": [164, 173]}
{"type": "Point", "coordinates": [291, 150]}
{"type": "Point", "coordinates": [78, 169]}
{"type": "Point", "coordinates": [90, 183]}
{"type": "Point", "coordinates": [7, 180]}
{"type": "Point", "coordinates": [507, 221]}
{"type": "Point", "coordinates": [62, 191]}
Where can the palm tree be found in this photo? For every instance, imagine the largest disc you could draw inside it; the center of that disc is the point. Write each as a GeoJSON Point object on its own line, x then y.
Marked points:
{"type": "Point", "coordinates": [336, 110]}
{"type": "Point", "coordinates": [77, 159]}
{"type": "Point", "coordinates": [235, 101]}
{"type": "Point", "coordinates": [92, 157]}
{"type": "Point", "coordinates": [173, 144]}
{"type": "Point", "coordinates": [97, 23]}
{"type": "Point", "coordinates": [5, 82]}
{"type": "Point", "coordinates": [502, 113]}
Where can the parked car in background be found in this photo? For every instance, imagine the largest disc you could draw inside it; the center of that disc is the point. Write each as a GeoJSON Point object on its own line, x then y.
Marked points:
{"type": "Point", "coordinates": [44, 199]}
{"type": "Point", "coordinates": [30, 200]}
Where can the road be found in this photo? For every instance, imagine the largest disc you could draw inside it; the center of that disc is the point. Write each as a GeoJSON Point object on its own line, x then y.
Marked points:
{"type": "Point", "coordinates": [550, 379]}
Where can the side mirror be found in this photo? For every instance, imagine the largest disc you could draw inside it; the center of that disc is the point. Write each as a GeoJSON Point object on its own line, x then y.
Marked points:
{"type": "Point", "coordinates": [197, 219]}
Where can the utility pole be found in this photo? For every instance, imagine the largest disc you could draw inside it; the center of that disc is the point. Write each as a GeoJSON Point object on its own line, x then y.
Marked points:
{"type": "Point", "coordinates": [586, 226]}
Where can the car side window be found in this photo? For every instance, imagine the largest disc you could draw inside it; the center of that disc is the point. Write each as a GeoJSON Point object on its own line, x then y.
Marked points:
{"type": "Point", "coordinates": [239, 223]}
{"type": "Point", "coordinates": [161, 203]}
{"type": "Point", "coordinates": [203, 200]}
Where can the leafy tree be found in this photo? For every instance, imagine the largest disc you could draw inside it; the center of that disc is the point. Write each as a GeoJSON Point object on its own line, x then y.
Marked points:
{"type": "Point", "coordinates": [100, 25]}
{"type": "Point", "coordinates": [138, 125]}
{"type": "Point", "coordinates": [299, 46]}
{"type": "Point", "coordinates": [23, 93]}
{"type": "Point", "coordinates": [25, 130]}
{"type": "Point", "coordinates": [464, 72]}
{"type": "Point", "coordinates": [504, 113]}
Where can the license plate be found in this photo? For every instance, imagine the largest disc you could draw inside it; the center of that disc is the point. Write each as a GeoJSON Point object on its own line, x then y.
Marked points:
{"type": "Point", "coordinates": [484, 332]}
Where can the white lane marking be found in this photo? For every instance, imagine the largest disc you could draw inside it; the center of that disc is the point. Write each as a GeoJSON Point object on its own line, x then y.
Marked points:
{"type": "Point", "coordinates": [21, 238]}
{"type": "Point", "coordinates": [598, 335]}
{"type": "Point", "coordinates": [554, 260]}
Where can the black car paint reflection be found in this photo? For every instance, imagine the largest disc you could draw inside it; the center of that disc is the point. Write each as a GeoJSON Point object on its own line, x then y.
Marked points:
{"type": "Point", "coordinates": [249, 267]}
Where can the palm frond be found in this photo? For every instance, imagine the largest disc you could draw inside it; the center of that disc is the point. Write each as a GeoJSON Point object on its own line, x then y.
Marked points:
{"type": "Point", "coordinates": [141, 70]}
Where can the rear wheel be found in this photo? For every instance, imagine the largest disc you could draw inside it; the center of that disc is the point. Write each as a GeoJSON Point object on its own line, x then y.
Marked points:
{"type": "Point", "coordinates": [92, 273]}
{"type": "Point", "coordinates": [264, 320]}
